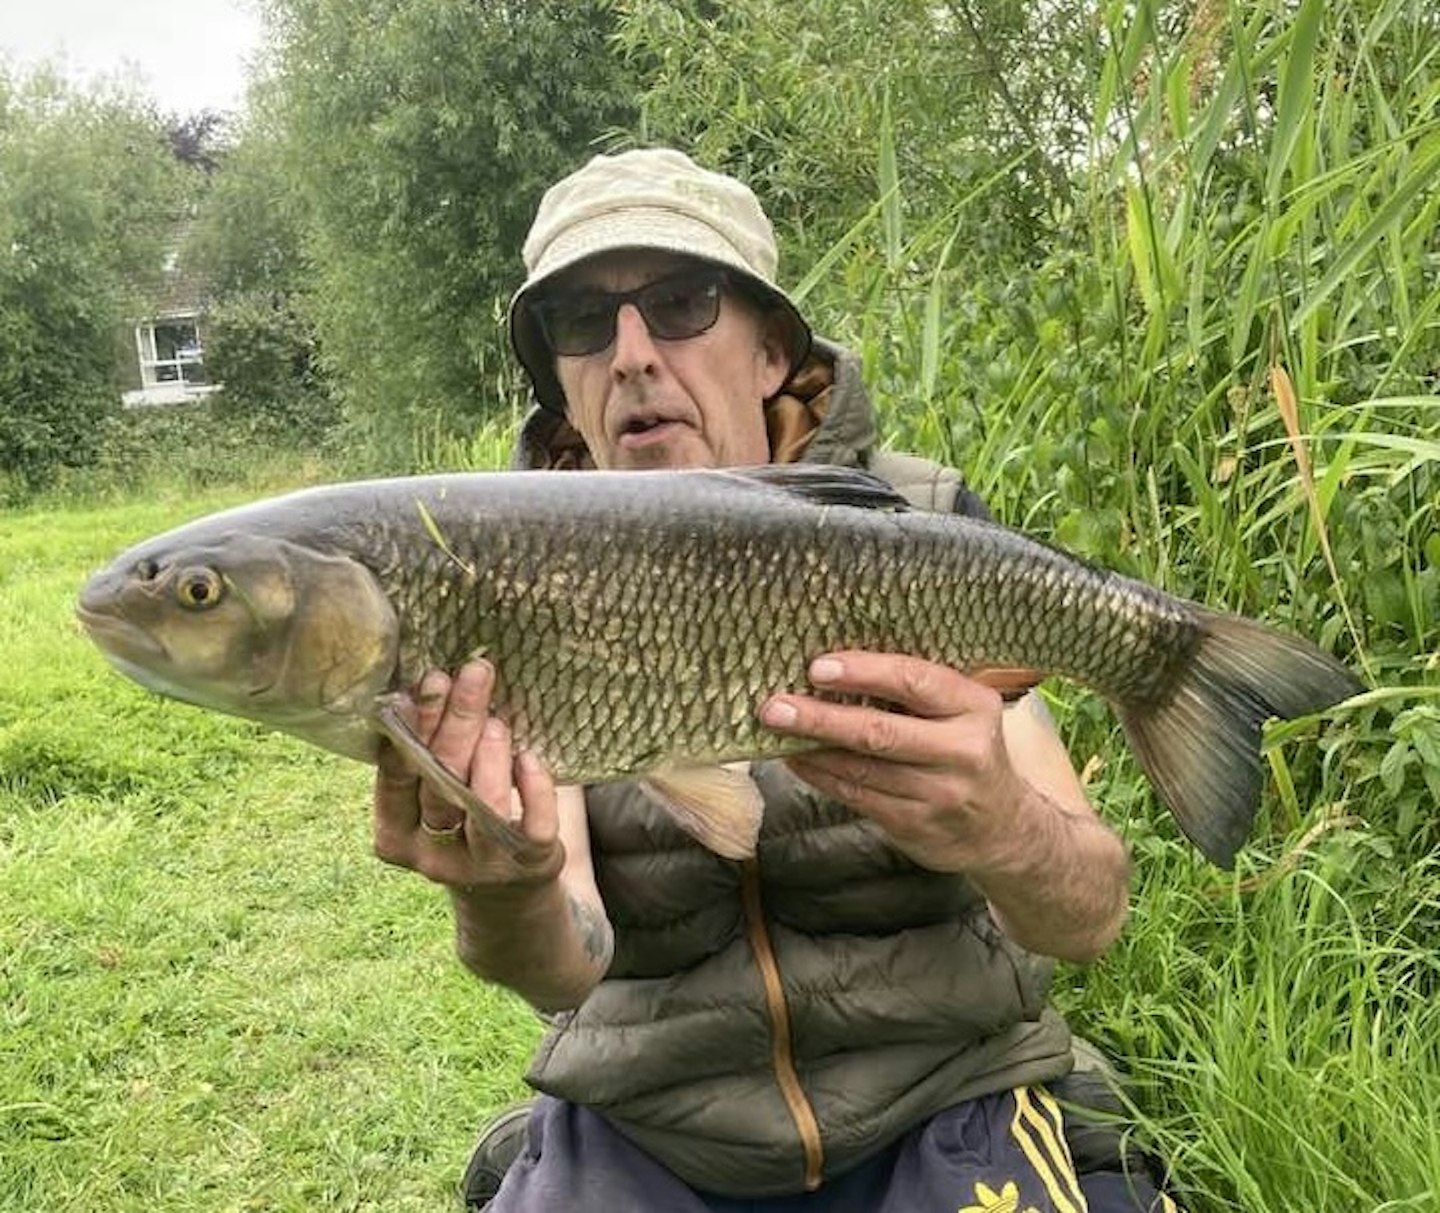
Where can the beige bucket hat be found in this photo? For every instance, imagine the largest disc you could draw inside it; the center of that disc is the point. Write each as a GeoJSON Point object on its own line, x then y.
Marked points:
{"type": "Point", "coordinates": [652, 198]}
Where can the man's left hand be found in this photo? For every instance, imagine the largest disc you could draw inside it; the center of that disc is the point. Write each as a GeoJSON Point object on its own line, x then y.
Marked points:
{"type": "Point", "coordinates": [936, 774]}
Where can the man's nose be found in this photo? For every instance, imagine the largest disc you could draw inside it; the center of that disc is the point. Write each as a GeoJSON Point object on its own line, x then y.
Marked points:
{"type": "Point", "coordinates": [635, 352]}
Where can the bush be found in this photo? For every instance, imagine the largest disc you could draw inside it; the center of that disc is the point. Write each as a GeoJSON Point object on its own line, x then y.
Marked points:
{"type": "Point", "coordinates": [262, 352]}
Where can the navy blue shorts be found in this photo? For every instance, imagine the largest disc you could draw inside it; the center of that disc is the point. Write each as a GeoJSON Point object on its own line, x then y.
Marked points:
{"type": "Point", "coordinates": [1005, 1153]}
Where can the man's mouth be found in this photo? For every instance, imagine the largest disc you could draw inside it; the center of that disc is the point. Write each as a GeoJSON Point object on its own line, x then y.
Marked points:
{"type": "Point", "coordinates": [644, 429]}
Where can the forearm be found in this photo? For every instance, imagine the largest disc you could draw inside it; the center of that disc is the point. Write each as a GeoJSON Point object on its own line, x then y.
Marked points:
{"type": "Point", "coordinates": [543, 941]}
{"type": "Point", "coordinates": [1060, 885]}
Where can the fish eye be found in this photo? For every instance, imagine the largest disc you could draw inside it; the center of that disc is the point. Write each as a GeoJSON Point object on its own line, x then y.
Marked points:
{"type": "Point", "coordinates": [200, 589]}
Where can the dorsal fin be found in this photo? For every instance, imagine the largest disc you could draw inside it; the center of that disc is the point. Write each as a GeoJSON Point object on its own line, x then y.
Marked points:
{"type": "Point", "coordinates": [824, 484]}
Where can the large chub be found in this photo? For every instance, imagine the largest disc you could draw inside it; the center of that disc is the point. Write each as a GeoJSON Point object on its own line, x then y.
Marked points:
{"type": "Point", "coordinates": [1201, 748]}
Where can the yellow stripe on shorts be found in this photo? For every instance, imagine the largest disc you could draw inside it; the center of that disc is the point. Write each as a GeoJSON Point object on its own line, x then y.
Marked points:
{"type": "Point", "coordinates": [1041, 1139]}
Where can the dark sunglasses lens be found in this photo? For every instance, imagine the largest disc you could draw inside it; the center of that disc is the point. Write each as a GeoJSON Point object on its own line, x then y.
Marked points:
{"type": "Point", "coordinates": [580, 326]}
{"type": "Point", "coordinates": [680, 308]}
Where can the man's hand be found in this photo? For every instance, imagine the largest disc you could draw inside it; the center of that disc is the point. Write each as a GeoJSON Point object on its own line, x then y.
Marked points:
{"type": "Point", "coordinates": [417, 828]}
{"type": "Point", "coordinates": [938, 779]}
{"type": "Point", "coordinates": [942, 777]}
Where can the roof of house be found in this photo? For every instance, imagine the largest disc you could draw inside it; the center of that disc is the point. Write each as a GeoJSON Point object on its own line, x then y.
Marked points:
{"type": "Point", "coordinates": [174, 288]}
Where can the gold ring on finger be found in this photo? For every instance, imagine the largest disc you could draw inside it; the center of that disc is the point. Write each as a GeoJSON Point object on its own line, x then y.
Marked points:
{"type": "Point", "coordinates": [443, 835]}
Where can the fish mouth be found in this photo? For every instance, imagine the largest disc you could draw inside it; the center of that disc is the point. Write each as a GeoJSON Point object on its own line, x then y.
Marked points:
{"type": "Point", "coordinates": [145, 660]}
{"type": "Point", "coordinates": [118, 637]}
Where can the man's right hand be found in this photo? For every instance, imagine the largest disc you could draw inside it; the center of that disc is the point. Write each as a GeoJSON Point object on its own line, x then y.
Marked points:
{"type": "Point", "coordinates": [416, 827]}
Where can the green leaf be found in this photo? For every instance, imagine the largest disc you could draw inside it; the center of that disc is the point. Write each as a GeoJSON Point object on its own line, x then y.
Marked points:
{"type": "Point", "coordinates": [1392, 767]}
{"type": "Point", "coordinates": [1142, 247]}
{"type": "Point", "coordinates": [890, 189]}
{"type": "Point", "coordinates": [1424, 176]}
{"type": "Point", "coordinates": [1295, 105]}
{"type": "Point", "coordinates": [930, 338]}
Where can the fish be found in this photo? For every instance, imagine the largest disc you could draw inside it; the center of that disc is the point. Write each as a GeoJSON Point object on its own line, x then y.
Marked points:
{"type": "Point", "coordinates": [636, 622]}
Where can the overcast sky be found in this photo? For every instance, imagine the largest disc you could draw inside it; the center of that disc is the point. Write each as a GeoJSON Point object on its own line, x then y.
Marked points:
{"type": "Point", "coordinates": [188, 54]}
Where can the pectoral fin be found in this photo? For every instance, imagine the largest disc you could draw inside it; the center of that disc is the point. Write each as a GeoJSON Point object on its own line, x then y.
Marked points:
{"type": "Point", "coordinates": [479, 816]}
{"type": "Point", "coordinates": [720, 807]}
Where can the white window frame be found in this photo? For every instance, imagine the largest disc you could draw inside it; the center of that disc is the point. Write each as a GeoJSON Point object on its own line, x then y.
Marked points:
{"type": "Point", "coordinates": [150, 362]}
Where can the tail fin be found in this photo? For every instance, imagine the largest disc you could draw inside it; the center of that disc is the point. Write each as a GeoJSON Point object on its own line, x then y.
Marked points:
{"type": "Point", "coordinates": [1201, 749]}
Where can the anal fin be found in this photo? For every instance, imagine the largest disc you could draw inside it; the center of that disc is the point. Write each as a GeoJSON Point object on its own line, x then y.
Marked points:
{"type": "Point", "coordinates": [1012, 682]}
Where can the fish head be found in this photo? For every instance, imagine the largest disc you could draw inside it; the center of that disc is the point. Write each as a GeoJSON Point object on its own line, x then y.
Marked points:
{"type": "Point", "coordinates": [250, 625]}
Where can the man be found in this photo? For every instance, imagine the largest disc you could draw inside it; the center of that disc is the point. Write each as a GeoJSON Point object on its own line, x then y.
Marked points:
{"type": "Point", "coordinates": [856, 1018]}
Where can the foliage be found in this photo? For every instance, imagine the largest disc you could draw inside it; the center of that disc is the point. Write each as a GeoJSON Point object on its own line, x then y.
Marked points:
{"type": "Point", "coordinates": [1184, 319]}
{"type": "Point", "coordinates": [421, 136]}
{"type": "Point", "coordinates": [197, 139]}
{"type": "Point", "coordinates": [89, 191]}
{"type": "Point", "coordinates": [247, 242]}
{"type": "Point", "coordinates": [1257, 210]}
{"type": "Point", "coordinates": [249, 229]}
{"type": "Point", "coordinates": [1254, 207]}
{"type": "Point", "coordinates": [261, 349]}
{"type": "Point", "coordinates": [178, 450]}
{"type": "Point", "coordinates": [793, 98]}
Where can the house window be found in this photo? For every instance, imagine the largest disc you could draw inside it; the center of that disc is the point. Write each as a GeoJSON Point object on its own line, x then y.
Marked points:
{"type": "Point", "coordinates": [170, 352]}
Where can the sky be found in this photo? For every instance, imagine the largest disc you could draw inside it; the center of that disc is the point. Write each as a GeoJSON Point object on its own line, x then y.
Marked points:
{"type": "Point", "coordinates": [188, 55]}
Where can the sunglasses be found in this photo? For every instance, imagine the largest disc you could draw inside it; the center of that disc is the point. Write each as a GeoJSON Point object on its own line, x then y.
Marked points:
{"type": "Point", "coordinates": [674, 308]}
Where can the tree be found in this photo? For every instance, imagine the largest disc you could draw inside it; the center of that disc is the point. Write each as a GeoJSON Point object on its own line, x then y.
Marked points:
{"type": "Point", "coordinates": [421, 135]}
{"type": "Point", "coordinates": [247, 243]}
{"type": "Point", "coordinates": [987, 99]}
{"type": "Point", "coordinates": [89, 188]}
{"type": "Point", "coordinates": [197, 139]}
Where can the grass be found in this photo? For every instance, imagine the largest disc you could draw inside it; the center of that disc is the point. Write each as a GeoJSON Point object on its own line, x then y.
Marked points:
{"type": "Point", "coordinates": [1225, 385]}
{"type": "Point", "coordinates": [212, 996]}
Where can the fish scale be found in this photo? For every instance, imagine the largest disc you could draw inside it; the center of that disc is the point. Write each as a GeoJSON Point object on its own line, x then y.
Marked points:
{"type": "Point", "coordinates": [637, 621]}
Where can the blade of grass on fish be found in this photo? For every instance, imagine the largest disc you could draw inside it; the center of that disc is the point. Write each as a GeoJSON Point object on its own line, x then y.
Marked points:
{"type": "Point", "coordinates": [432, 528]}
{"type": "Point", "coordinates": [1285, 401]}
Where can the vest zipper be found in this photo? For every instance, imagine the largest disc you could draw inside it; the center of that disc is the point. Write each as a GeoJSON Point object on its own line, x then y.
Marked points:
{"type": "Point", "coordinates": [781, 1054]}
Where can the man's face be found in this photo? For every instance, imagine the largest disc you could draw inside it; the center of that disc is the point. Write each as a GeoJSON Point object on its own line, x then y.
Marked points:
{"type": "Point", "coordinates": [645, 401]}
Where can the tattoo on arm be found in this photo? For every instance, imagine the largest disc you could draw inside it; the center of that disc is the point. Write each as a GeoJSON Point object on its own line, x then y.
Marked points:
{"type": "Point", "coordinates": [594, 930]}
